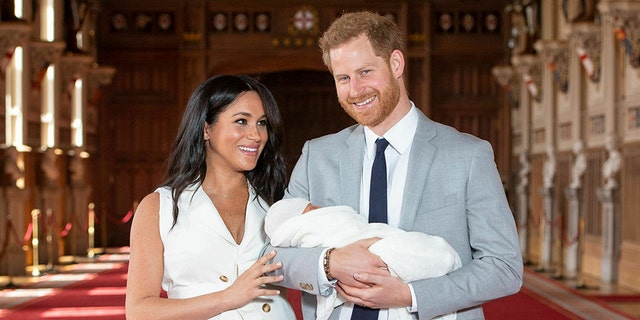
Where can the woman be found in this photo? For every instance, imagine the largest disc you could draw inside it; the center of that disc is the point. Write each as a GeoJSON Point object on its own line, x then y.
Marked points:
{"type": "Point", "coordinates": [199, 236]}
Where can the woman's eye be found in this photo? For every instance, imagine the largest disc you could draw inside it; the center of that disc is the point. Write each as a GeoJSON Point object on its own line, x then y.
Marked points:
{"type": "Point", "coordinates": [241, 121]}
{"type": "Point", "coordinates": [263, 122]}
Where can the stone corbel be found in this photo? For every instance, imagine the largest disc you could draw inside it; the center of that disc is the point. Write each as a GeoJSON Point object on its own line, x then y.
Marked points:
{"type": "Point", "coordinates": [98, 76]}
{"type": "Point", "coordinates": [530, 68]}
{"type": "Point", "coordinates": [556, 55]}
{"type": "Point", "coordinates": [624, 18]}
{"type": "Point", "coordinates": [509, 81]}
{"type": "Point", "coordinates": [12, 35]}
{"type": "Point", "coordinates": [587, 43]}
{"type": "Point", "coordinates": [43, 54]}
{"type": "Point", "coordinates": [73, 67]}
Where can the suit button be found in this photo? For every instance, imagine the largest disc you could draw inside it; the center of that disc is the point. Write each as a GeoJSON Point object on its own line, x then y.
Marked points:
{"type": "Point", "coordinates": [266, 307]}
{"type": "Point", "coordinates": [224, 278]}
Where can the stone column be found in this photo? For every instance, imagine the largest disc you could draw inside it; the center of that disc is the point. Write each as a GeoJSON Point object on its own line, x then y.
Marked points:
{"type": "Point", "coordinates": [51, 244]}
{"type": "Point", "coordinates": [610, 234]}
{"type": "Point", "coordinates": [575, 219]}
{"type": "Point", "coordinates": [549, 171]}
{"type": "Point", "coordinates": [523, 205]}
{"type": "Point", "coordinates": [50, 202]}
{"type": "Point", "coordinates": [16, 259]}
{"type": "Point", "coordinates": [610, 199]}
{"type": "Point", "coordinates": [573, 247]}
{"type": "Point", "coordinates": [80, 193]}
{"type": "Point", "coordinates": [546, 250]}
{"type": "Point", "coordinates": [16, 207]}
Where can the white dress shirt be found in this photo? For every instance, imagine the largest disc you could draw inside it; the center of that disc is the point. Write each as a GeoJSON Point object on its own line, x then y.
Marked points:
{"type": "Point", "coordinates": [400, 138]}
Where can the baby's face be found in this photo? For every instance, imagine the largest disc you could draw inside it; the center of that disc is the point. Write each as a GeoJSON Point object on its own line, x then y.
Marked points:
{"type": "Point", "coordinates": [309, 207]}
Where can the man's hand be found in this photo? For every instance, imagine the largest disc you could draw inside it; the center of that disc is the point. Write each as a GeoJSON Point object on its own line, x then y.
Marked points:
{"type": "Point", "coordinates": [376, 291]}
{"type": "Point", "coordinates": [355, 258]}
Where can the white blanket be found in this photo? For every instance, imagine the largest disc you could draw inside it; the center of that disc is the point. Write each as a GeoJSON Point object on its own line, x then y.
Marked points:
{"type": "Point", "coordinates": [409, 255]}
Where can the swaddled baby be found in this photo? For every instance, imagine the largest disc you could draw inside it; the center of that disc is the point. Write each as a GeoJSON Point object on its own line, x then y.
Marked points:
{"type": "Point", "coordinates": [411, 256]}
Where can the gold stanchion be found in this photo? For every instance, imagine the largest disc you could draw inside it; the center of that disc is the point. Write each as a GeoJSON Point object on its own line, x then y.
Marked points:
{"type": "Point", "coordinates": [35, 272]}
{"type": "Point", "coordinates": [49, 237]}
{"type": "Point", "coordinates": [103, 228]}
{"type": "Point", "coordinates": [92, 231]}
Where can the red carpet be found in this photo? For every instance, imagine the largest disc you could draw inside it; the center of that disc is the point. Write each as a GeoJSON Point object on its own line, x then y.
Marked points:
{"type": "Point", "coordinates": [100, 298]}
{"type": "Point", "coordinates": [525, 305]}
{"type": "Point", "coordinates": [103, 296]}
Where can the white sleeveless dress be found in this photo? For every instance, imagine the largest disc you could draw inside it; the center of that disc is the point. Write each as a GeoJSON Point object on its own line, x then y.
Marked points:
{"type": "Point", "coordinates": [201, 256]}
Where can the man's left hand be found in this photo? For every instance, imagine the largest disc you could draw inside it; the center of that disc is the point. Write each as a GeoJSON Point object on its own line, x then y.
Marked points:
{"type": "Point", "coordinates": [380, 292]}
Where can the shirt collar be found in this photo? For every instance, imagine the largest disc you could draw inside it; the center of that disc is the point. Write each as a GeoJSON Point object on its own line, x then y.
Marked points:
{"type": "Point", "coordinates": [400, 136]}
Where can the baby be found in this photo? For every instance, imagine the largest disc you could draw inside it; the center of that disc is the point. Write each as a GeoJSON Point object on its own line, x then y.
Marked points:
{"type": "Point", "coordinates": [411, 256]}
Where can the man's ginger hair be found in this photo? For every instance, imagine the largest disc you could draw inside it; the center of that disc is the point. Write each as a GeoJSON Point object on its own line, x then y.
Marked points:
{"type": "Point", "coordinates": [383, 34]}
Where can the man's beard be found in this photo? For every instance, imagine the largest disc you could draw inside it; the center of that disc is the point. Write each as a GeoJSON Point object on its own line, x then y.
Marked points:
{"type": "Point", "coordinates": [387, 101]}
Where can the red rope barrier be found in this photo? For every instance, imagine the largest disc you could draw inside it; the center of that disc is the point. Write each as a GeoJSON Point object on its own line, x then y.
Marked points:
{"type": "Point", "coordinates": [16, 236]}
{"type": "Point", "coordinates": [124, 219]}
{"type": "Point", "coordinates": [66, 230]}
{"type": "Point", "coordinates": [27, 235]}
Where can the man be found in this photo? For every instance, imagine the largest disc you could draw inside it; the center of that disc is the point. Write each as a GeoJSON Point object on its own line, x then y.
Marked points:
{"type": "Point", "coordinates": [440, 182]}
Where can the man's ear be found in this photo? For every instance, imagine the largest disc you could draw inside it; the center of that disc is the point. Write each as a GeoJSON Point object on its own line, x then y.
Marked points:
{"type": "Point", "coordinates": [396, 61]}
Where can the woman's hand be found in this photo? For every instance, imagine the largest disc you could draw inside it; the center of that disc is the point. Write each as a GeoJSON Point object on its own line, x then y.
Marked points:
{"type": "Point", "coordinates": [250, 284]}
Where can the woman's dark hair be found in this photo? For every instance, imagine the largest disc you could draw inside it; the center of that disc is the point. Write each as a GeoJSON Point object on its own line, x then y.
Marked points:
{"type": "Point", "coordinates": [187, 160]}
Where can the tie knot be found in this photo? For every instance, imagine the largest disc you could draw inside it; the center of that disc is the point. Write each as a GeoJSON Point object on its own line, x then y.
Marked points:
{"type": "Point", "coordinates": [381, 145]}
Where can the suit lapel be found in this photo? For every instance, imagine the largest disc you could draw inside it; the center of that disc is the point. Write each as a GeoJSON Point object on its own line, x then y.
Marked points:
{"type": "Point", "coordinates": [420, 160]}
{"type": "Point", "coordinates": [351, 168]}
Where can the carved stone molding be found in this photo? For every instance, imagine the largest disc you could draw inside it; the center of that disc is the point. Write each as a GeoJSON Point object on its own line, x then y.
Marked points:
{"type": "Point", "coordinates": [530, 69]}
{"type": "Point", "coordinates": [13, 35]}
{"type": "Point", "coordinates": [624, 18]}
{"type": "Point", "coordinates": [556, 55]}
{"type": "Point", "coordinates": [98, 76]}
{"type": "Point", "coordinates": [509, 81]}
{"type": "Point", "coordinates": [73, 67]}
{"type": "Point", "coordinates": [43, 54]}
{"type": "Point", "coordinates": [587, 43]}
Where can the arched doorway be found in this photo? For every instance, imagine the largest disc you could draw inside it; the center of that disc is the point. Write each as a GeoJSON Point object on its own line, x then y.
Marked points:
{"type": "Point", "coordinates": [309, 107]}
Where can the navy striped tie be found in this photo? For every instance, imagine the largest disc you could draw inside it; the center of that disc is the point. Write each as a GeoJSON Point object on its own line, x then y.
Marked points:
{"type": "Point", "coordinates": [377, 211]}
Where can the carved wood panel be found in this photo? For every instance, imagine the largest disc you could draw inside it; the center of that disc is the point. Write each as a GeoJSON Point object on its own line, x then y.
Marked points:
{"type": "Point", "coordinates": [157, 69]}
{"type": "Point", "coordinates": [630, 182]}
{"type": "Point", "coordinates": [309, 107]}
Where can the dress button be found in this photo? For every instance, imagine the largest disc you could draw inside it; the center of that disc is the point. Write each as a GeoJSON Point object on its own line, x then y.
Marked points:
{"type": "Point", "coordinates": [266, 307]}
{"type": "Point", "coordinates": [224, 278]}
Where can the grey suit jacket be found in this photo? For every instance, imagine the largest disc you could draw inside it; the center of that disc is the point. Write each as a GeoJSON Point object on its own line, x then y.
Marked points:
{"type": "Point", "coordinates": [453, 190]}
